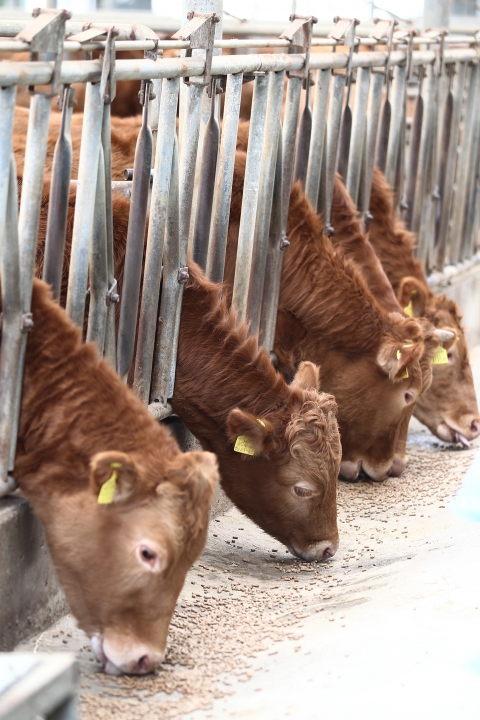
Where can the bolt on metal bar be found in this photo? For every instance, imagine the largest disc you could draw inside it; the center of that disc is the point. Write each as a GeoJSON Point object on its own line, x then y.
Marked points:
{"type": "Point", "coordinates": [292, 105]}
{"type": "Point", "coordinates": [373, 115]}
{"type": "Point", "coordinates": [175, 275]}
{"type": "Point", "coordinates": [319, 125]}
{"type": "Point", "coordinates": [137, 220]}
{"type": "Point", "coordinates": [246, 232]}
{"type": "Point", "coordinates": [11, 321]}
{"type": "Point", "coordinates": [265, 197]}
{"type": "Point", "coordinates": [461, 180]}
{"type": "Point", "coordinates": [58, 199]}
{"type": "Point", "coordinates": [359, 123]}
{"type": "Point", "coordinates": [277, 243]}
{"type": "Point", "coordinates": [223, 188]}
{"type": "Point", "coordinates": [98, 264]}
{"type": "Point", "coordinates": [398, 92]}
{"type": "Point", "coordinates": [206, 186]}
{"type": "Point", "coordinates": [159, 203]}
{"type": "Point", "coordinates": [333, 132]}
{"type": "Point", "coordinates": [85, 203]}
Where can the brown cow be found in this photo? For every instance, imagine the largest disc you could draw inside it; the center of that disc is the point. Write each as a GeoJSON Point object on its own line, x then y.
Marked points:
{"type": "Point", "coordinates": [224, 385]}
{"type": "Point", "coordinates": [449, 408]}
{"type": "Point", "coordinates": [327, 315]}
{"type": "Point", "coordinates": [121, 563]}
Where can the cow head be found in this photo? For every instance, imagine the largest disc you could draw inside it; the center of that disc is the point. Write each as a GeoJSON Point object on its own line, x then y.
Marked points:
{"type": "Point", "coordinates": [123, 545]}
{"type": "Point", "coordinates": [375, 388]}
{"type": "Point", "coordinates": [449, 408]}
{"type": "Point", "coordinates": [290, 490]}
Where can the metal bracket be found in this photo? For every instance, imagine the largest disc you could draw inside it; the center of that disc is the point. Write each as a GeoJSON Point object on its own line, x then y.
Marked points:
{"type": "Point", "coordinates": [108, 85]}
{"type": "Point", "coordinates": [153, 54]}
{"type": "Point", "coordinates": [299, 34]}
{"type": "Point", "coordinates": [439, 36]}
{"type": "Point", "coordinates": [406, 37]}
{"type": "Point", "coordinates": [112, 296]}
{"type": "Point", "coordinates": [284, 243]}
{"type": "Point", "coordinates": [183, 275]}
{"type": "Point", "coordinates": [345, 30]}
{"type": "Point", "coordinates": [27, 322]}
{"type": "Point", "coordinates": [200, 32]}
{"type": "Point", "coordinates": [383, 32]}
{"type": "Point", "coordinates": [46, 35]}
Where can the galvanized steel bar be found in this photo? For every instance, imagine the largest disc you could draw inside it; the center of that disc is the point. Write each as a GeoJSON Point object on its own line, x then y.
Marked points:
{"type": "Point", "coordinates": [223, 189]}
{"type": "Point", "coordinates": [137, 220]}
{"type": "Point", "coordinates": [333, 132]}
{"type": "Point", "coordinates": [188, 156]}
{"type": "Point", "coordinates": [98, 263]}
{"type": "Point", "coordinates": [373, 115]}
{"type": "Point", "coordinates": [246, 232]}
{"type": "Point", "coordinates": [425, 184]}
{"type": "Point", "coordinates": [319, 125]}
{"type": "Point", "coordinates": [265, 196]}
{"type": "Point", "coordinates": [174, 276]}
{"type": "Point", "coordinates": [154, 110]}
{"type": "Point", "coordinates": [303, 140]}
{"type": "Point", "coordinates": [292, 104]}
{"type": "Point", "coordinates": [358, 133]}
{"type": "Point", "coordinates": [85, 203]}
{"type": "Point", "coordinates": [424, 153]}
{"type": "Point", "coordinates": [58, 199]}
{"type": "Point", "coordinates": [414, 154]}
{"type": "Point", "coordinates": [159, 203]}
{"type": "Point", "coordinates": [112, 294]}
{"type": "Point", "coordinates": [398, 101]}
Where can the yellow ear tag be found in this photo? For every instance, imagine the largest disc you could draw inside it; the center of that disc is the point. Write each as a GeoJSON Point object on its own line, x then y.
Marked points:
{"type": "Point", "coordinates": [409, 309]}
{"type": "Point", "coordinates": [243, 445]}
{"type": "Point", "coordinates": [261, 422]}
{"type": "Point", "coordinates": [440, 357]}
{"type": "Point", "coordinates": [107, 491]}
{"type": "Point", "coordinates": [405, 375]}
{"type": "Point", "coordinates": [399, 354]}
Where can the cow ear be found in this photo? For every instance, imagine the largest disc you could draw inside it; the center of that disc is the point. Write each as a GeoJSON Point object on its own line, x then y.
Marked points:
{"type": "Point", "coordinates": [289, 335]}
{"type": "Point", "coordinates": [113, 477]}
{"type": "Point", "coordinates": [394, 359]}
{"type": "Point", "coordinates": [252, 436]}
{"type": "Point", "coordinates": [449, 342]}
{"type": "Point", "coordinates": [412, 296]}
{"type": "Point", "coordinates": [307, 377]}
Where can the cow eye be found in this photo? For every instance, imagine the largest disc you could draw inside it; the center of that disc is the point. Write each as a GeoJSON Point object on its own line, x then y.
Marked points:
{"type": "Point", "coordinates": [147, 554]}
{"type": "Point", "coordinates": [302, 492]}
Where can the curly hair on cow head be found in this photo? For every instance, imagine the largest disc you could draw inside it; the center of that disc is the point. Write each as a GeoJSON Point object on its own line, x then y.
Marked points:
{"type": "Point", "coordinates": [315, 426]}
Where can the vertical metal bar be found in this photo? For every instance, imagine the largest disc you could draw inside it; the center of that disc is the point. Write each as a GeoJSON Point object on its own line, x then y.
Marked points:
{"type": "Point", "coordinates": [85, 203]}
{"type": "Point", "coordinates": [294, 89]}
{"type": "Point", "coordinates": [12, 313]}
{"type": "Point", "coordinates": [265, 197]}
{"type": "Point", "coordinates": [303, 140]}
{"type": "Point", "coordinates": [137, 220]}
{"type": "Point", "coordinates": [373, 114]}
{"type": "Point", "coordinates": [424, 151]}
{"type": "Point", "coordinates": [319, 125]}
{"type": "Point", "coordinates": [422, 209]}
{"type": "Point", "coordinates": [153, 112]}
{"type": "Point", "coordinates": [163, 376]}
{"type": "Point", "coordinates": [414, 153]}
{"type": "Point", "coordinates": [223, 188]}
{"type": "Point", "coordinates": [358, 133]}
{"type": "Point", "coordinates": [333, 131]}
{"type": "Point", "coordinates": [461, 180]}
{"type": "Point", "coordinates": [159, 203]}
{"type": "Point", "coordinates": [398, 90]}
{"type": "Point", "coordinates": [188, 156]}
{"type": "Point", "coordinates": [246, 230]}
{"type": "Point", "coordinates": [98, 263]}
{"type": "Point", "coordinates": [273, 271]}
{"type": "Point", "coordinates": [206, 187]}
{"type": "Point", "coordinates": [112, 297]}
{"type": "Point", "coordinates": [451, 161]}
{"type": "Point", "coordinates": [58, 199]}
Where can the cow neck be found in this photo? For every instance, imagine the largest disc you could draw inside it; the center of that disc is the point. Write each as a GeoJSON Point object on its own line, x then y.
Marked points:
{"type": "Point", "coordinates": [323, 290]}
{"type": "Point", "coordinates": [74, 406]}
{"type": "Point", "coordinates": [219, 366]}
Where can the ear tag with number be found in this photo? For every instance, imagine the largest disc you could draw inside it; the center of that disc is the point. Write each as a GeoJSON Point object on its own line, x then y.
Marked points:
{"type": "Point", "coordinates": [409, 309]}
{"type": "Point", "coordinates": [440, 357]}
{"type": "Point", "coordinates": [243, 445]}
{"type": "Point", "coordinates": [405, 375]}
{"type": "Point", "coordinates": [107, 491]}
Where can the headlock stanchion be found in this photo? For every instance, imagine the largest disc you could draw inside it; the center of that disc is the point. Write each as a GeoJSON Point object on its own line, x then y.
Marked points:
{"type": "Point", "coordinates": [424, 134]}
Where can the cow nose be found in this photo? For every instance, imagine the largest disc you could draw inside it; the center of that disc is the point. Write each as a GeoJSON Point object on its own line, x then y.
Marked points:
{"type": "Point", "coordinates": [475, 428]}
{"type": "Point", "coordinates": [398, 466]}
{"type": "Point", "coordinates": [144, 665]}
{"type": "Point", "coordinates": [328, 553]}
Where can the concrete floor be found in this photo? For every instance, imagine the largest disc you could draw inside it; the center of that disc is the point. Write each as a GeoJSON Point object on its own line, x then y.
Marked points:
{"type": "Point", "coordinates": [389, 628]}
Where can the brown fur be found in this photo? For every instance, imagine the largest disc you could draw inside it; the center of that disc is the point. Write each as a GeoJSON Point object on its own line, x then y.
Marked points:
{"type": "Point", "coordinates": [76, 418]}
{"type": "Point", "coordinates": [450, 405]}
{"type": "Point", "coordinates": [327, 315]}
{"type": "Point", "coordinates": [223, 379]}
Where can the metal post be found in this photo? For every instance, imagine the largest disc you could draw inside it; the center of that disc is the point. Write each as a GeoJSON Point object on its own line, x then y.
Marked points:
{"type": "Point", "coordinates": [333, 131]}
{"type": "Point", "coordinates": [188, 154]}
{"type": "Point", "coordinates": [159, 203]}
{"type": "Point", "coordinates": [292, 104]}
{"type": "Point", "coordinates": [358, 133]}
{"type": "Point", "coordinates": [424, 152]}
{"type": "Point", "coordinates": [319, 125]}
{"type": "Point", "coordinates": [98, 262]}
{"type": "Point", "coordinates": [112, 294]}
{"type": "Point", "coordinates": [398, 92]}
{"type": "Point", "coordinates": [373, 115]}
{"type": "Point", "coordinates": [246, 232]}
{"type": "Point", "coordinates": [414, 152]}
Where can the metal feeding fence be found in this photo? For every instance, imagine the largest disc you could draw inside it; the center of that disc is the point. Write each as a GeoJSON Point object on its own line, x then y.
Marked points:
{"type": "Point", "coordinates": [364, 91]}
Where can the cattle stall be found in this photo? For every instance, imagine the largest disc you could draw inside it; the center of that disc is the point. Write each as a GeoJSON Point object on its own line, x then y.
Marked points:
{"type": "Point", "coordinates": [403, 102]}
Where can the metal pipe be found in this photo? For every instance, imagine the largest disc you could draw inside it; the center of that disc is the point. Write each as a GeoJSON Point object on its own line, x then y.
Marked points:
{"type": "Point", "coordinates": [98, 263]}
{"type": "Point", "coordinates": [188, 156]}
{"type": "Point", "coordinates": [112, 294]}
{"type": "Point", "coordinates": [359, 122]}
{"type": "Point", "coordinates": [303, 140]}
{"type": "Point", "coordinates": [246, 231]}
{"type": "Point", "coordinates": [394, 137]}
{"type": "Point", "coordinates": [319, 125]}
{"type": "Point", "coordinates": [58, 199]}
{"type": "Point", "coordinates": [159, 203]}
{"type": "Point", "coordinates": [292, 105]}
{"type": "Point", "coordinates": [373, 115]}
{"type": "Point", "coordinates": [414, 154]}
{"type": "Point", "coordinates": [424, 151]}
{"type": "Point", "coordinates": [424, 190]}
{"type": "Point", "coordinates": [137, 220]}
{"type": "Point", "coordinates": [265, 196]}
{"type": "Point", "coordinates": [85, 203]}
{"type": "Point", "coordinates": [333, 132]}
{"type": "Point", "coordinates": [223, 189]}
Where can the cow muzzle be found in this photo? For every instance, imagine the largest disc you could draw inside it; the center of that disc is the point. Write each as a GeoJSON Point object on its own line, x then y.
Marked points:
{"type": "Point", "coordinates": [120, 657]}
{"type": "Point", "coordinates": [319, 552]}
{"type": "Point", "coordinates": [459, 432]}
